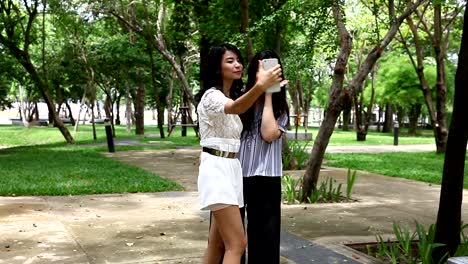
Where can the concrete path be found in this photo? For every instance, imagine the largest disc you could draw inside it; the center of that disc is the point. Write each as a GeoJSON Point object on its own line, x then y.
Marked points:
{"type": "Point", "coordinates": [168, 227]}
{"type": "Point", "coordinates": [380, 148]}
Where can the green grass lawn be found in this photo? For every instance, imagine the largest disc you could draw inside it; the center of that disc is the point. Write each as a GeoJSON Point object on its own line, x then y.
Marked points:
{"type": "Point", "coordinates": [21, 136]}
{"type": "Point", "coordinates": [11, 136]}
{"type": "Point", "coordinates": [40, 162]}
{"type": "Point", "coordinates": [420, 166]}
{"type": "Point", "coordinates": [348, 138]}
{"type": "Point", "coordinates": [72, 170]}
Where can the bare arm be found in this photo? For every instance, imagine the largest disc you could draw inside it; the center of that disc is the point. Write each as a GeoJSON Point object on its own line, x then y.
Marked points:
{"type": "Point", "coordinates": [269, 128]}
{"type": "Point", "coordinates": [264, 80]}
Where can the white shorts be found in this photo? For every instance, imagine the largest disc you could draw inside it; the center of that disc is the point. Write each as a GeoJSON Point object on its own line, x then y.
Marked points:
{"type": "Point", "coordinates": [219, 182]}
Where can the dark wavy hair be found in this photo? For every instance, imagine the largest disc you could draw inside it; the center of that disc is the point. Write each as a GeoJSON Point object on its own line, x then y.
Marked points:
{"type": "Point", "coordinates": [280, 104]}
{"type": "Point", "coordinates": [213, 76]}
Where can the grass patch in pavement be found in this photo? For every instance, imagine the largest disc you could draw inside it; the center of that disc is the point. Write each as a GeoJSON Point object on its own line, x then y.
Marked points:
{"type": "Point", "coordinates": [72, 171]}
{"type": "Point", "coordinates": [420, 166]}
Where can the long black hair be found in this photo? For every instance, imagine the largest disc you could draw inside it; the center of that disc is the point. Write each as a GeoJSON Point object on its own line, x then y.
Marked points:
{"type": "Point", "coordinates": [280, 104]}
{"type": "Point", "coordinates": [213, 76]}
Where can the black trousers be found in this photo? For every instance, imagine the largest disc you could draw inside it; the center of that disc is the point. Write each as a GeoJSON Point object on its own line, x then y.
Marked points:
{"type": "Point", "coordinates": [262, 212]}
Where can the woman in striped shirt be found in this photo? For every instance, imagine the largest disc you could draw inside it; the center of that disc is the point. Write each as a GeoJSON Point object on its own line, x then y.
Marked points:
{"type": "Point", "coordinates": [260, 157]}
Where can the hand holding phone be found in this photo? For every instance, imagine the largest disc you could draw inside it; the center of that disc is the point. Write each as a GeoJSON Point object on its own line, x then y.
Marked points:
{"type": "Point", "coordinates": [268, 64]}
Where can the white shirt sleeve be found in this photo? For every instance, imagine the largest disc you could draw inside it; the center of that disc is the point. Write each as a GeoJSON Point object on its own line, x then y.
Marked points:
{"type": "Point", "coordinates": [214, 102]}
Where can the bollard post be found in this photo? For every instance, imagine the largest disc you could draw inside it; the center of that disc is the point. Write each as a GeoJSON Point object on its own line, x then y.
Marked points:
{"type": "Point", "coordinates": [395, 133]}
{"type": "Point", "coordinates": [110, 139]}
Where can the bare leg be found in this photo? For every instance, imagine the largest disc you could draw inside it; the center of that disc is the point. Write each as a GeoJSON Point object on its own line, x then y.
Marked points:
{"type": "Point", "coordinates": [226, 229]}
{"type": "Point", "coordinates": [215, 249]}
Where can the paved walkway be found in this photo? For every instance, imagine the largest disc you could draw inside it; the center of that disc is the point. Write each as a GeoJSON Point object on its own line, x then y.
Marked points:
{"type": "Point", "coordinates": [168, 227]}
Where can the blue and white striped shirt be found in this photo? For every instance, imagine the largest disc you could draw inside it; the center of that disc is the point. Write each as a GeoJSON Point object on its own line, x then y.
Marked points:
{"type": "Point", "coordinates": [259, 157]}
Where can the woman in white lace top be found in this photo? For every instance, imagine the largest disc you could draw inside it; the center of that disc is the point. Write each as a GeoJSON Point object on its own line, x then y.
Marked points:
{"type": "Point", "coordinates": [220, 173]}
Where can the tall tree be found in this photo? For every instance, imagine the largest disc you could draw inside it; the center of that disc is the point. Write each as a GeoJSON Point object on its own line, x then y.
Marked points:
{"type": "Point", "coordinates": [437, 27]}
{"type": "Point", "coordinates": [244, 28]}
{"type": "Point", "coordinates": [451, 194]}
{"type": "Point", "coordinates": [18, 23]}
{"type": "Point", "coordinates": [139, 98]}
{"type": "Point", "coordinates": [337, 93]}
{"type": "Point", "coordinates": [155, 38]}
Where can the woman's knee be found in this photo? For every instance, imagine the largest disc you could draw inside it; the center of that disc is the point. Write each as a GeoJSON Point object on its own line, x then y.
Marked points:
{"type": "Point", "coordinates": [216, 245]}
{"type": "Point", "coordinates": [237, 247]}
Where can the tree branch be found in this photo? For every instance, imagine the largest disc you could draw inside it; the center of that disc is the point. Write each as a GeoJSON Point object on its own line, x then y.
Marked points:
{"type": "Point", "coordinates": [376, 52]}
{"type": "Point", "coordinates": [425, 26]}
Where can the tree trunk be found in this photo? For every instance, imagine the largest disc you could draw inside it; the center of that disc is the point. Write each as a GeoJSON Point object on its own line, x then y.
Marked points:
{"type": "Point", "coordinates": [169, 96]}
{"type": "Point", "coordinates": [441, 88]}
{"type": "Point", "coordinates": [413, 116]}
{"type": "Point", "coordinates": [128, 108]}
{"type": "Point", "coordinates": [75, 129]}
{"type": "Point", "coordinates": [419, 67]}
{"type": "Point", "coordinates": [93, 119]}
{"type": "Point", "coordinates": [72, 119]}
{"type": "Point", "coordinates": [370, 106]}
{"type": "Point", "coordinates": [388, 122]}
{"type": "Point", "coordinates": [348, 106]}
{"type": "Point", "coordinates": [334, 108]}
{"type": "Point", "coordinates": [140, 109]}
{"type": "Point", "coordinates": [117, 109]}
{"type": "Point", "coordinates": [379, 119]}
{"type": "Point", "coordinates": [23, 57]}
{"type": "Point", "coordinates": [158, 42]}
{"type": "Point", "coordinates": [337, 94]}
{"type": "Point", "coordinates": [156, 93]}
{"type": "Point", "coordinates": [244, 28]}
{"type": "Point", "coordinates": [22, 106]}
{"type": "Point", "coordinates": [361, 132]}
{"type": "Point", "coordinates": [108, 106]}
{"type": "Point", "coordinates": [451, 194]}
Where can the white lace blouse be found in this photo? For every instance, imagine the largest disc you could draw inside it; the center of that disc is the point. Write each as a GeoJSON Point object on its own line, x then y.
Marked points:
{"type": "Point", "coordinates": [218, 130]}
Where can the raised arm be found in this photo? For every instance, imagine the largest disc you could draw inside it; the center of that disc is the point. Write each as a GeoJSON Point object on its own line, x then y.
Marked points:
{"type": "Point", "coordinates": [269, 128]}
{"type": "Point", "coordinates": [264, 80]}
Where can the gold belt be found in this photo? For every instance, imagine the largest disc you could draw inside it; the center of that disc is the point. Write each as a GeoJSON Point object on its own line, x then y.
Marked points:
{"type": "Point", "coordinates": [220, 153]}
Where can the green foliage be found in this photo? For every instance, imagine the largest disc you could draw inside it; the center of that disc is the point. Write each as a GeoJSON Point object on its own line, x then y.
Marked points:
{"type": "Point", "coordinates": [409, 247]}
{"type": "Point", "coordinates": [298, 153]}
{"type": "Point", "coordinates": [327, 192]}
{"type": "Point", "coordinates": [289, 186]}
{"type": "Point", "coordinates": [179, 27]}
{"type": "Point", "coordinates": [351, 179]}
{"type": "Point", "coordinates": [426, 243]}
{"type": "Point", "coordinates": [398, 83]}
{"type": "Point", "coordinates": [462, 249]}
{"type": "Point", "coordinates": [404, 239]}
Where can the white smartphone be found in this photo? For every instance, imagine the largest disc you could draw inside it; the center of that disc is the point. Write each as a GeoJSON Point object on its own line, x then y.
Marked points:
{"type": "Point", "coordinates": [268, 64]}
